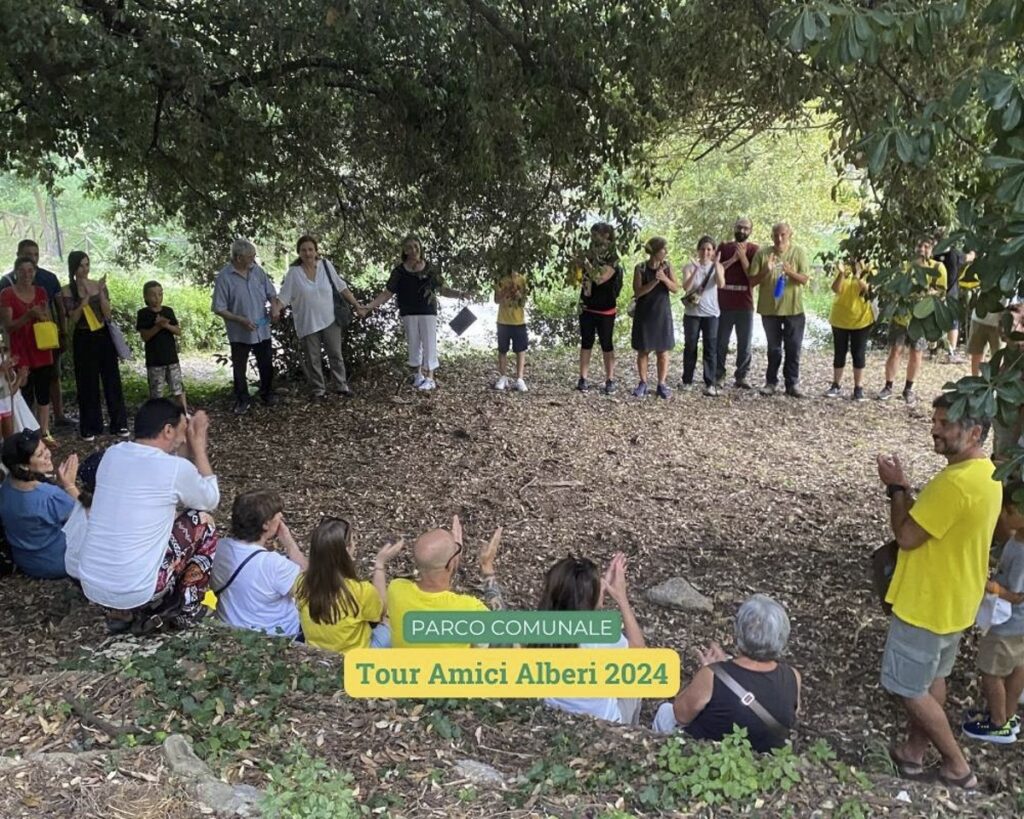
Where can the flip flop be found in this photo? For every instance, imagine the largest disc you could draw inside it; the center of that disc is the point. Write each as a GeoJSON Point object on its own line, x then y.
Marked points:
{"type": "Point", "coordinates": [911, 771]}
{"type": "Point", "coordinates": [961, 782]}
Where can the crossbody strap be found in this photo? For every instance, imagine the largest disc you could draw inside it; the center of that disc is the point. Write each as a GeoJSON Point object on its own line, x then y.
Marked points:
{"type": "Point", "coordinates": [234, 574]}
{"type": "Point", "coordinates": [748, 699]}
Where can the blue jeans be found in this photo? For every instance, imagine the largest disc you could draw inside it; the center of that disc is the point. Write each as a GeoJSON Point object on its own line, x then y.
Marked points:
{"type": "Point", "coordinates": [742, 321]}
{"type": "Point", "coordinates": [784, 333]}
{"type": "Point", "coordinates": [707, 328]}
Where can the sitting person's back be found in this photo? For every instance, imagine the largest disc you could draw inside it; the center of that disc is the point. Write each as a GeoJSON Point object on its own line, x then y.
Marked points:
{"type": "Point", "coordinates": [340, 611]}
{"type": "Point", "coordinates": [755, 690]}
{"type": "Point", "coordinates": [33, 508]}
{"type": "Point", "coordinates": [254, 583]}
{"type": "Point", "coordinates": [437, 554]}
{"type": "Point", "coordinates": [77, 526]}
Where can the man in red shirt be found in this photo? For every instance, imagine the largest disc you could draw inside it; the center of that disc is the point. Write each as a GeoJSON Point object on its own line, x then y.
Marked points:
{"type": "Point", "coordinates": [736, 302]}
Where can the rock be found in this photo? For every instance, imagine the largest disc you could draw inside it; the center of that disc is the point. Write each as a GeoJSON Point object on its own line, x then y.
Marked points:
{"type": "Point", "coordinates": [479, 773]}
{"type": "Point", "coordinates": [677, 593]}
{"type": "Point", "coordinates": [229, 800]}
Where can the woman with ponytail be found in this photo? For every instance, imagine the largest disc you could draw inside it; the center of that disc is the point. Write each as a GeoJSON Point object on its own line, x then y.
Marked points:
{"type": "Point", "coordinates": [35, 504]}
{"type": "Point", "coordinates": [87, 307]}
{"type": "Point", "coordinates": [339, 610]}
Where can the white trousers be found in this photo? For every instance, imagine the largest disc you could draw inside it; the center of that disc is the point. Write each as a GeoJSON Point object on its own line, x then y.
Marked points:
{"type": "Point", "coordinates": [421, 333]}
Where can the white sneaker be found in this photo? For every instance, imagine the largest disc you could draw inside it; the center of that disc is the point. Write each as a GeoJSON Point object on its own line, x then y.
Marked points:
{"type": "Point", "coordinates": [501, 383]}
{"type": "Point", "coordinates": [417, 381]}
{"type": "Point", "coordinates": [520, 385]}
{"type": "Point", "coordinates": [426, 384]}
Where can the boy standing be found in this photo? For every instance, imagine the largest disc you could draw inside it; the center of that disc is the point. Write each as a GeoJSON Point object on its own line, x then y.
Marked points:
{"type": "Point", "coordinates": [1001, 649]}
{"type": "Point", "coordinates": [158, 327]}
{"type": "Point", "coordinates": [510, 295]}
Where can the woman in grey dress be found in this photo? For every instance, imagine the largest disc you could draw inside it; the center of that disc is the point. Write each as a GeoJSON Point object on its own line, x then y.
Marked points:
{"type": "Point", "coordinates": [653, 282]}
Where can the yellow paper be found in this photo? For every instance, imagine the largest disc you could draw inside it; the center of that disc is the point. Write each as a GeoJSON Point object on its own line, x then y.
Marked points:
{"type": "Point", "coordinates": [90, 318]}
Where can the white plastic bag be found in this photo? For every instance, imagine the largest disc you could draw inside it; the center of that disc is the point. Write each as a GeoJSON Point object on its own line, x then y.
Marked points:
{"type": "Point", "coordinates": [992, 611]}
{"type": "Point", "coordinates": [23, 417]}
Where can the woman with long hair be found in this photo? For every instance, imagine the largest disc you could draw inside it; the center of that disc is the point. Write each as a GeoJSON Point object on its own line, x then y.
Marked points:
{"type": "Point", "coordinates": [417, 284]}
{"type": "Point", "coordinates": [35, 503]}
{"type": "Point", "coordinates": [309, 287]}
{"type": "Point", "coordinates": [87, 307]}
{"type": "Point", "coordinates": [24, 305]}
{"type": "Point", "coordinates": [653, 284]}
{"type": "Point", "coordinates": [575, 584]}
{"type": "Point", "coordinates": [701, 280]}
{"type": "Point", "coordinates": [339, 610]}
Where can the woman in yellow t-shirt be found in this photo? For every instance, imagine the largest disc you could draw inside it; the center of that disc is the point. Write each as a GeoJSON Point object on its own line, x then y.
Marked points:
{"type": "Point", "coordinates": [337, 609]}
{"type": "Point", "coordinates": [851, 319]}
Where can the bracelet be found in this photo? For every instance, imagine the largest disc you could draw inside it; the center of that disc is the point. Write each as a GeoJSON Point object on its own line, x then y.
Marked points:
{"type": "Point", "coordinates": [894, 489]}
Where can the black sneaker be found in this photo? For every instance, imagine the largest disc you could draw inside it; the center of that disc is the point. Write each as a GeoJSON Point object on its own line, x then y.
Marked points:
{"type": "Point", "coordinates": [794, 391]}
{"type": "Point", "coordinates": [609, 387]}
{"type": "Point", "coordinates": [885, 394]}
{"type": "Point", "coordinates": [241, 407]}
{"type": "Point", "coordinates": [858, 394]}
{"type": "Point", "coordinates": [582, 385]}
{"type": "Point", "coordinates": [909, 396]}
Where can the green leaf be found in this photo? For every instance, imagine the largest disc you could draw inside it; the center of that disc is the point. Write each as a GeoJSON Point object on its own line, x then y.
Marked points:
{"type": "Point", "coordinates": [924, 308]}
{"type": "Point", "coordinates": [960, 94]}
{"type": "Point", "coordinates": [904, 147]}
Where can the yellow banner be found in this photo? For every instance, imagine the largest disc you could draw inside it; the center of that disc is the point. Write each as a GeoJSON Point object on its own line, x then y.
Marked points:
{"type": "Point", "coordinates": [509, 673]}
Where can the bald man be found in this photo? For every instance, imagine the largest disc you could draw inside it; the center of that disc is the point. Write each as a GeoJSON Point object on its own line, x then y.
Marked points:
{"type": "Point", "coordinates": [437, 555]}
{"type": "Point", "coordinates": [780, 272]}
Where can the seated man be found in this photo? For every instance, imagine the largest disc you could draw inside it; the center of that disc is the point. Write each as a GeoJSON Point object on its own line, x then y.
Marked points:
{"type": "Point", "coordinates": [252, 581]}
{"type": "Point", "coordinates": [436, 555]}
{"type": "Point", "coordinates": [147, 565]}
{"type": "Point", "coordinates": [716, 699]}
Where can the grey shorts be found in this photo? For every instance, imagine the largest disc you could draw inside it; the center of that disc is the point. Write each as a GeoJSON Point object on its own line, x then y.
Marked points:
{"type": "Point", "coordinates": [159, 376]}
{"type": "Point", "coordinates": [899, 337]}
{"type": "Point", "coordinates": [915, 657]}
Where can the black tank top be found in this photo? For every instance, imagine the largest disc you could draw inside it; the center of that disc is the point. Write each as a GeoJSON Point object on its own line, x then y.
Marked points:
{"type": "Point", "coordinates": [775, 690]}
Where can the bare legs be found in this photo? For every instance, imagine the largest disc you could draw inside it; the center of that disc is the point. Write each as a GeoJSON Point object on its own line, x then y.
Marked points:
{"type": "Point", "coordinates": [929, 726]}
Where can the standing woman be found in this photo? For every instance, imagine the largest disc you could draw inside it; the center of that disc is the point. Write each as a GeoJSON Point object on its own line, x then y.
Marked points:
{"type": "Point", "coordinates": [851, 319]}
{"type": "Point", "coordinates": [309, 287]}
{"type": "Point", "coordinates": [417, 284]}
{"type": "Point", "coordinates": [23, 305]}
{"type": "Point", "coordinates": [87, 307]}
{"type": "Point", "coordinates": [653, 281]}
{"type": "Point", "coordinates": [701, 280]}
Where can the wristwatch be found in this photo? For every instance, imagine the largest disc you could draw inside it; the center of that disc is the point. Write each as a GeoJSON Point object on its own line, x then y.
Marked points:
{"type": "Point", "coordinates": [893, 488]}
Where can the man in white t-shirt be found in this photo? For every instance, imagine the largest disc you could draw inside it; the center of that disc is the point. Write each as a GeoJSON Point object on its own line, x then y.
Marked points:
{"type": "Point", "coordinates": [254, 583]}
{"type": "Point", "coordinates": [148, 566]}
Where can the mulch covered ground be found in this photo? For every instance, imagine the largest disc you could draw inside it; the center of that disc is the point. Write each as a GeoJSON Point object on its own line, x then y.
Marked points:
{"type": "Point", "coordinates": [738, 494]}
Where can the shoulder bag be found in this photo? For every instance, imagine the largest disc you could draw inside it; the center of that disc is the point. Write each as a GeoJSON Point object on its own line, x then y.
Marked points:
{"type": "Point", "coordinates": [342, 309]}
{"type": "Point", "coordinates": [234, 574]}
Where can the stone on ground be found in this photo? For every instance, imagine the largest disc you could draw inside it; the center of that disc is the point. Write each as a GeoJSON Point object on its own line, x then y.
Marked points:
{"type": "Point", "coordinates": [677, 593]}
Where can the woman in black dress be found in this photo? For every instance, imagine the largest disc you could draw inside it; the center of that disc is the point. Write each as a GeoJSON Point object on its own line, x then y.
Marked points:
{"type": "Point", "coordinates": [653, 282]}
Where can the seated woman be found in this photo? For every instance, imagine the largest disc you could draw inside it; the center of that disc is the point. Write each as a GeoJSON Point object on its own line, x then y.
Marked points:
{"type": "Point", "coordinates": [33, 508]}
{"type": "Point", "coordinates": [339, 611]}
{"type": "Point", "coordinates": [252, 581]}
{"type": "Point", "coordinates": [573, 584]}
{"type": "Point", "coordinates": [710, 706]}
{"type": "Point", "coordinates": [77, 524]}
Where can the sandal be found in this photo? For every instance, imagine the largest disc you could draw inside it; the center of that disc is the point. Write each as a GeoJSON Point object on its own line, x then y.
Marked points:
{"type": "Point", "coordinates": [912, 771]}
{"type": "Point", "coordinates": [967, 782]}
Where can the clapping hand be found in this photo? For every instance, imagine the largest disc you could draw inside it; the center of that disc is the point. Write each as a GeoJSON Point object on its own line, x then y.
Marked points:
{"type": "Point", "coordinates": [388, 552]}
{"type": "Point", "coordinates": [67, 472]}
{"type": "Point", "coordinates": [489, 552]}
{"type": "Point", "coordinates": [712, 654]}
{"type": "Point", "coordinates": [614, 581]}
{"type": "Point", "coordinates": [890, 470]}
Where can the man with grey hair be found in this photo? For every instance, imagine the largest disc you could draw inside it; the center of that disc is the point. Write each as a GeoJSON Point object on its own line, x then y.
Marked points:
{"type": "Point", "coordinates": [938, 583]}
{"type": "Point", "coordinates": [754, 690]}
{"type": "Point", "coordinates": [241, 293]}
{"type": "Point", "coordinates": [780, 271]}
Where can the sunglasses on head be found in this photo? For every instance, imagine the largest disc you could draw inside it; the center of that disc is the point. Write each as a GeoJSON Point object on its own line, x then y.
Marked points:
{"type": "Point", "coordinates": [458, 551]}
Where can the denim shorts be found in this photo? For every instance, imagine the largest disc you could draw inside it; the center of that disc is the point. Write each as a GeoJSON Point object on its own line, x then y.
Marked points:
{"type": "Point", "coordinates": [915, 657]}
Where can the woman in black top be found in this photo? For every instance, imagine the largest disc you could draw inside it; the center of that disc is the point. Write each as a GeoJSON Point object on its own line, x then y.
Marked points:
{"type": "Point", "coordinates": [417, 285]}
{"type": "Point", "coordinates": [653, 282]}
{"type": "Point", "coordinates": [96, 359]}
{"type": "Point", "coordinates": [709, 709]}
{"type": "Point", "coordinates": [600, 276]}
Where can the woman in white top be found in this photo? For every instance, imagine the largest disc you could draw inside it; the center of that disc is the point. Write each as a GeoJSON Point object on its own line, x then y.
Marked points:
{"type": "Point", "coordinates": [309, 288]}
{"type": "Point", "coordinates": [701, 280]}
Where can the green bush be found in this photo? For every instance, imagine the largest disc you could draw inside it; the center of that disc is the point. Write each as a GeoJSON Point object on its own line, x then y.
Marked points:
{"type": "Point", "coordinates": [305, 788]}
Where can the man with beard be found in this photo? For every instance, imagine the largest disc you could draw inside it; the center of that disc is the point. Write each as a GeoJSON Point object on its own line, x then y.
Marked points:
{"type": "Point", "coordinates": [939, 581]}
{"type": "Point", "coordinates": [736, 302]}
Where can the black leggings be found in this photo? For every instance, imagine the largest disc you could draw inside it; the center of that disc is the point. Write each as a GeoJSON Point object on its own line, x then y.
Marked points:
{"type": "Point", "coordinates": [854, 341]}
{"type": "Point", "coordinates": [603, 327]}
{"type": "Point", "coordinates": [38, 385]}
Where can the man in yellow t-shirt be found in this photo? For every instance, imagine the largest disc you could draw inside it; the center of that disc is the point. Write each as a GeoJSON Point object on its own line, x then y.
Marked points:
{"type": "Point", "coordinates": [780, 270]}
{"type": "Point", "coordinates": [941, 571]}
{"type": "Point", "coordinates": [510, 296]}
{"type": "Point", "coordinates": [436, 555]}
{"type": "Point", "coordinates": [899, 336]}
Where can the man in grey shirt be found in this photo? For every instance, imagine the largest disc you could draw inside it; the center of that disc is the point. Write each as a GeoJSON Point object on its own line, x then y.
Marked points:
{"type": "Point", "coordinates": [241, 292]}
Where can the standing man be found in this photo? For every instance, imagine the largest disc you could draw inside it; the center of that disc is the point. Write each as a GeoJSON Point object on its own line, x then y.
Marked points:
{"type": "Point", "coordinates": [953, 260]}
{"type": "Point", "coordinates": [736, 302]}
{"type": "Point", "coordinates": [939, 581]}
{"type": "Point", "coordinates": [240, 296]}
{"type": "Point", "coordinates": [29, 249]}
{"type": "Point", "coordinates": [780, 272]}
{"type": "Point", "coordinates": [899, 336]}
{"type": "Point", "coordinates": [602, 276]}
